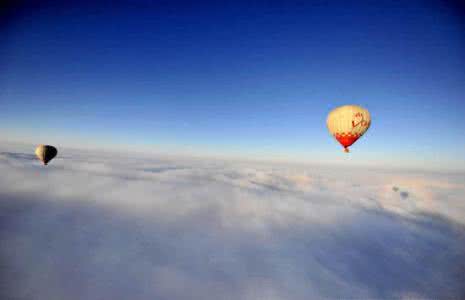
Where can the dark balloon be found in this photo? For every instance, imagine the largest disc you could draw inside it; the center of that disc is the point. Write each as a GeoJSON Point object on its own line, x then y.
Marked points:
{"type": "Point", "coordinates": [46, 153]}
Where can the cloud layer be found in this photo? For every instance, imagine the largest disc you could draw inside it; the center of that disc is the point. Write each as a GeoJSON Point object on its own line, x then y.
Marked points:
{"type": "Point", "coordinates": [107, 226]}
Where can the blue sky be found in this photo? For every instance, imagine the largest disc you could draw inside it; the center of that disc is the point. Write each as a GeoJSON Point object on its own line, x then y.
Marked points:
{"type": "Point", "coordinates": [248, 79]}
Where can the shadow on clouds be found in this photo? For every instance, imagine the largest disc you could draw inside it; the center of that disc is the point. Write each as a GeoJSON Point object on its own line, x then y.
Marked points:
{"type": "Point", "coordinates": [80, 250]}
{"type": "Point", "coordinates": [18, 156]}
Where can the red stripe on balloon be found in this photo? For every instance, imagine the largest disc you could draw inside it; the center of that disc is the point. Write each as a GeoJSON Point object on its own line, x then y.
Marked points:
{"type": "Point", "coordinates": [346, 139]}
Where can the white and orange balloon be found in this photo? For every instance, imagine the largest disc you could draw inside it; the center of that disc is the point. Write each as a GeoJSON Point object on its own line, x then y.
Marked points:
{"type": "Point", "coordinates": [348, 123]}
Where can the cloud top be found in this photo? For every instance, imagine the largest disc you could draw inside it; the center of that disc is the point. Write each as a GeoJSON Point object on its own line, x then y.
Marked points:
{"type": "Point", "coordinates": [112, 227]}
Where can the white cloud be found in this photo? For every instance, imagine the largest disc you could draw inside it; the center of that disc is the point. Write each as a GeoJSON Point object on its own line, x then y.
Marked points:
{"type": "Point", "coordinates": [109, 226]}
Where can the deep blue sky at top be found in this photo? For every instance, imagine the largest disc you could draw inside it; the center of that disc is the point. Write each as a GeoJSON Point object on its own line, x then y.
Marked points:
{"type": "Point", "coordinates": [249, 78]}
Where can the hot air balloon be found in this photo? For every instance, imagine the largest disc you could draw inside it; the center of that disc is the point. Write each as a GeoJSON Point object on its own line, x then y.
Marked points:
{"type": "Point", "coordinates": [46, 153]}
{"type": "Point", "coordinates": [348, 123]}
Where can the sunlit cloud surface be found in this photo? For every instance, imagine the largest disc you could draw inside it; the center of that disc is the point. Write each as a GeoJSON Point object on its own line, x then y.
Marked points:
{"type": "Point", "coordinates": [108, 226]}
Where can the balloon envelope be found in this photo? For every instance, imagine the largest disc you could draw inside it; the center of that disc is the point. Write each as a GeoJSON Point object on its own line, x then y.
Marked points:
{"type": "Point", "coordinates": [46, 153]}
{"type": "Point", "coordinates": [348, 123]}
